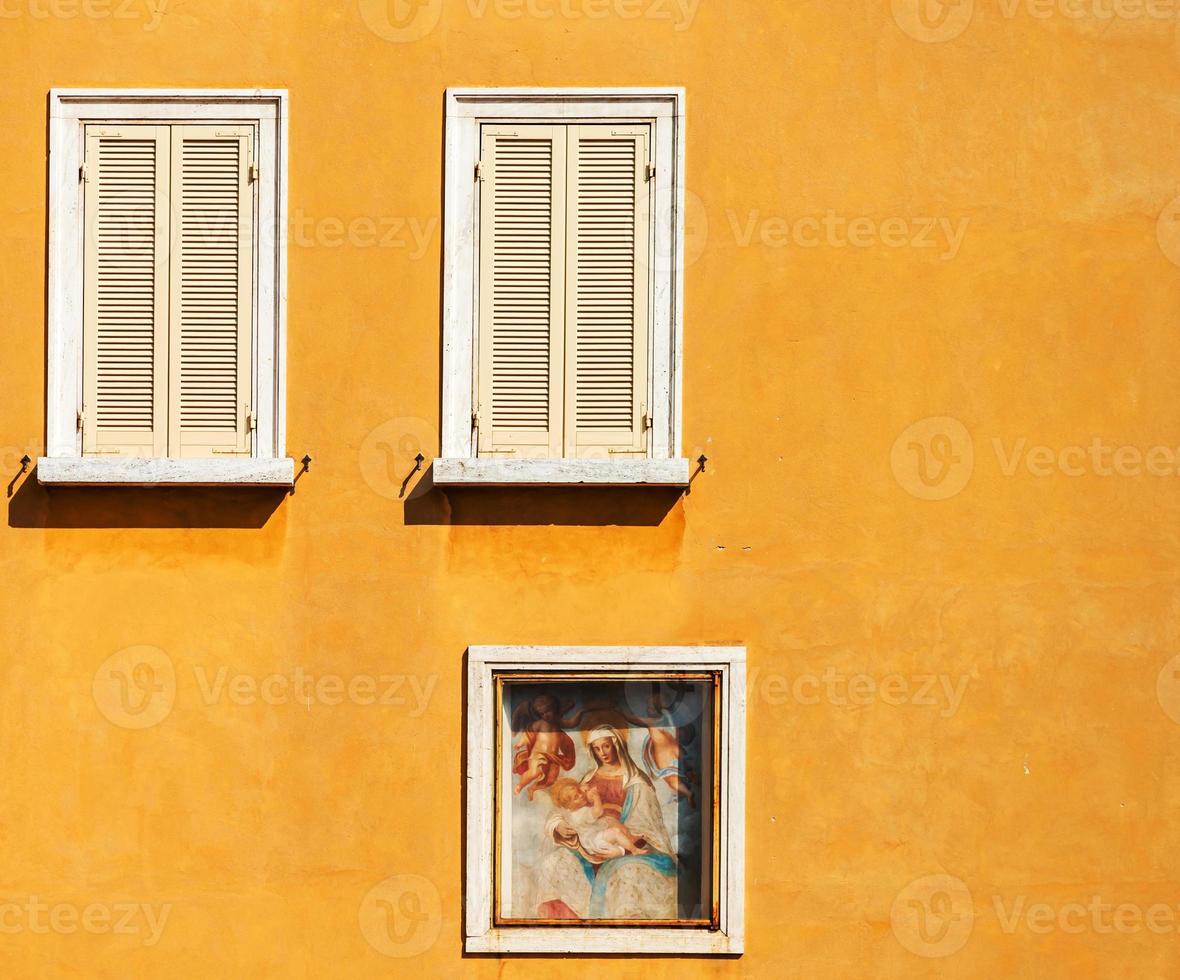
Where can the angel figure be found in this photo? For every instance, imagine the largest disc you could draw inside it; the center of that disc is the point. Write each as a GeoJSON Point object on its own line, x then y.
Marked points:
{"type": "Point", "coordinates": [662, 743]}
{"type": "Point", "coordinates": [542, 748]}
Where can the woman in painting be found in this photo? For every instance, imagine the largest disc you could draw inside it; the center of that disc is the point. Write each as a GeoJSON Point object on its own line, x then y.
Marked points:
{"type": "Point", "coordinates": [575, 882]}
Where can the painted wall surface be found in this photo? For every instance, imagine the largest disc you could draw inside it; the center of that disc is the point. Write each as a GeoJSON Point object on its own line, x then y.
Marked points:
{"type": "Point", "coordinates": [961, 634]}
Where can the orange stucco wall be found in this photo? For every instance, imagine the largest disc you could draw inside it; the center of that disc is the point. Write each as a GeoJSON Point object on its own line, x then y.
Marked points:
{"type": "Point", "coordinates": [893, 219]}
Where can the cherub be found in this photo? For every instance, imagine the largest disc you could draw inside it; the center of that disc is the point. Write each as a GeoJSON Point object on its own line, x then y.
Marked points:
{"type": "Point", "coordinates": [662, 745]}
{"type": "Point", "coordinates": [601, 834]}
{"type": "Point", "coordinates": [542, 748]}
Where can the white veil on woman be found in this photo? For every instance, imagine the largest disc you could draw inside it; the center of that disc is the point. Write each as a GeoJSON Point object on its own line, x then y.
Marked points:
{"type": "Point", "coordinates": [626, 763]}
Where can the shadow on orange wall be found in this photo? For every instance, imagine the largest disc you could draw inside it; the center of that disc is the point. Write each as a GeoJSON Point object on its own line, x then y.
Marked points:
{"type": "Point", "coordinates": [586, 506]}
{"type": "Point", "coordinates": [33, 505]}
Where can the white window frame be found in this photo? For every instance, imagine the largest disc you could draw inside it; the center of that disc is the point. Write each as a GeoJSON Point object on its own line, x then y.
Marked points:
{"type": "Point", "coordinates": [70, 110]}
{"type": "Point", "coordinates": [480, 934]}
{"type": "Point", "coordinates": [467, 110]}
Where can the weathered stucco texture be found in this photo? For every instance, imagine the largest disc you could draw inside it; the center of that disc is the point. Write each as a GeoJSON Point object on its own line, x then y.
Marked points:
{"type": "Point", "coordinates": [960, 645]}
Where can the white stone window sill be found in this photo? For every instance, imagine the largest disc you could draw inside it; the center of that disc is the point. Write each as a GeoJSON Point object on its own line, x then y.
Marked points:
{"type": "Point", "coordinates": [604, 939]}
{"type": "Point", "coordinates": [452, 472]}
{"type": "Point", "coordinates": [92, 471]}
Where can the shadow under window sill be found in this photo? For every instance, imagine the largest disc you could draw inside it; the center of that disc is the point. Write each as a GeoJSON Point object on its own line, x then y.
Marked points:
{"type": "Point", "coordinates": [33, 505]}
{"type": "Point", "coordinates": [231, 497]}
{"type": "Point", "coordinates": [539, 500]}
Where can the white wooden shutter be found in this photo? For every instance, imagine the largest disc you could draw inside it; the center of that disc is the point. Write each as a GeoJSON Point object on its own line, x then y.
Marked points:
{"type": "Point", "coordinates": [607, 292]}
{"type": "Point", "coordinates": [125, 290]}
{"type": "Point", "coordinates": [521, 304]}
{"type": "Point", "coordinates": [211, 291]}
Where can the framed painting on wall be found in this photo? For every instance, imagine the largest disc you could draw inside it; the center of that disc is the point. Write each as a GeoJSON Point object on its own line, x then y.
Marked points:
{"type": "Point", "coordinates": [605, 799]}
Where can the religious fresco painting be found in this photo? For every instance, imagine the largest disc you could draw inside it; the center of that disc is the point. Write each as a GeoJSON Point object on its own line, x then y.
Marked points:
{"type": "Point", "coordinates": [605, 802]}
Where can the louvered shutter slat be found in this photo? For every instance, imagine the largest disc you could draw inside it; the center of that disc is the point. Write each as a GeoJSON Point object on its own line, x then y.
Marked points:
{"type": "Point", "coordinates": [522, 228]}
{"type": "Point", "coordinates": [125, 291]}
{"type": "Point", "coordinates": [211, 291]}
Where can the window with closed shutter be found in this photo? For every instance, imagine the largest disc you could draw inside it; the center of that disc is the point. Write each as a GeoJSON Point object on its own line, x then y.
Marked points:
{"type": "Point", "coordinates": [168, 290]}
{"type": "Point", "coordinates": [564, 219]}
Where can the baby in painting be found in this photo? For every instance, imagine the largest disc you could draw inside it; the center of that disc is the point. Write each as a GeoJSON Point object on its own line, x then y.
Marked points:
{"type": "Point", "coordinates": [601, 835]}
